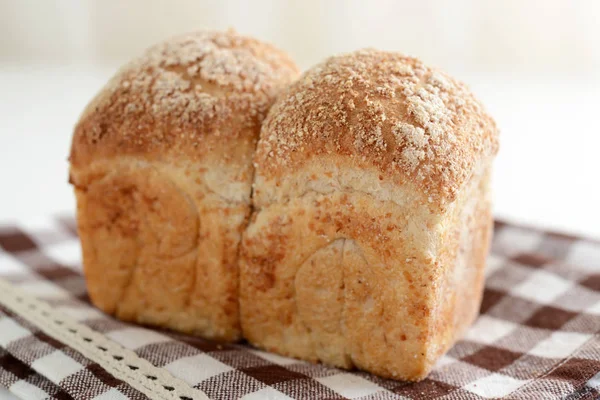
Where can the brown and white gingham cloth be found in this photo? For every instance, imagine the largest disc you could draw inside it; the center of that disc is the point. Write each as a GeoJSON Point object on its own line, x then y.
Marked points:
{"type": "Point", "coordinates": [538, 336]}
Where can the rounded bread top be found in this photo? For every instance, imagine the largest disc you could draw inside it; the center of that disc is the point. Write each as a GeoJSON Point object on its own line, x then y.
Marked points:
{"type": "Point", "coordinates": [183, 96]}
{"type": "Point", "coordinates": [382, 111]}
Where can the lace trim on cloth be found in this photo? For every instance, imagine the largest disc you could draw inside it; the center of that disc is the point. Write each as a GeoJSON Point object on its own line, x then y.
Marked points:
{"type": "Point", "coordinates": [124, 364]}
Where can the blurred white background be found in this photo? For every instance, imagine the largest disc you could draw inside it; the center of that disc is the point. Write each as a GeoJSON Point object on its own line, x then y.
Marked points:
{"type": "Point", "coordinates": [535, 64]}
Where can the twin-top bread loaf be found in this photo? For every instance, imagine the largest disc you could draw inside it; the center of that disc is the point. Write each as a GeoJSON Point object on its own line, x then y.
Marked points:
{"type": "Point", "coordinates": [371, 214]}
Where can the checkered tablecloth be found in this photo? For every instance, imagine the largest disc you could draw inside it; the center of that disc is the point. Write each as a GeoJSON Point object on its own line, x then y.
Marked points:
{"type": "Point", "coordinates": [538, 336]}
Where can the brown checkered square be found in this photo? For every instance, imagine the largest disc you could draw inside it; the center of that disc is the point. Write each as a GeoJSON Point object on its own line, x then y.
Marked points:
{"type": "Point", "coordinates": [239, 359]}
{"type": "Point", "coordinates": [272, 374]}
{"type": "Point", "coordinates": [549, 317]}
{"type": "Point", "coordinates": [427, 389]}
{"type": "Point", "coordinates": [575, 370]}
{"type": "Point", "coordinates": [535, 260]}
{"type": "Point", "coordinates": [491, 297]}
{"type": "Point", "coordinates": [13, 240]}
{"type": "Point", "coordinates": [12, 365]}
{"type": "Point", "coordinates": [492, 358]}
{"type": "Point", "coordinates": [592, 282]}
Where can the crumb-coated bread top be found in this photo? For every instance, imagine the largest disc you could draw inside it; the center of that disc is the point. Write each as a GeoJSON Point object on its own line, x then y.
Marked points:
{"type": "Point", "coordinates": [182, 96]}
{"type": "Point", "coordinates": [379, 110]}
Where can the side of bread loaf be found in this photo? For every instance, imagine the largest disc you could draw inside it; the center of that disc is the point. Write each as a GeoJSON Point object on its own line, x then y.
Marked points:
{"type": "Point", "coordinates": [161, 162]}
{"type": "Point", "coordinates": [372, 216]}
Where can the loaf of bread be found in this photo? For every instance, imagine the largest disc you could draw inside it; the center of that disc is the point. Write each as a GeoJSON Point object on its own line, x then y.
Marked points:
{"type": "Point", "coordinates": [161, 161]}
{"type": "Point", "coordinates": [372, 219]}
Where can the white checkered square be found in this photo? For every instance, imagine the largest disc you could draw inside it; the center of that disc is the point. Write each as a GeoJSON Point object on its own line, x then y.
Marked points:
{"type": "Point", "coordinates": [196, 369]}
{"type": "Point", "coordinates": [584, 255]}
{"type": "Point", "coordinates": [444, 361]}
{"type": "Point", "coordinates": [134, 338]}
{"type": "Point", "coordinates": [595, 381]}
{"type": "Point", "coordinates": [350, 385]}
{"type": "Point", "coordinates": [11, 331]}
{"type": "Point", "coordinates": [542, 287]}
{"type": "Point", "coordinates": [560, 344]}
{"type": "Point", "coordinates": [488, 329]}
{"type": "Point", "coordinates": [66, 253]}
{"type": "Point", "coordinates": [267, 393]}
{"type": "Point", "coordinates": [10, 265]}
{"type": "Point", "coordinates": [493, 263]}
{"type": "Point", "coordinates": [494, 386]}
{"type": "Point", "coordinates": [594, 309]}
{"type": "Point", "coordinates": [56, 366]}
{"type": "Point", "coordinates": [45, 230]}
{"type": "Point", "coordinates": [511, 241]}
{"type": "Point", "coordinates": [112, 394]}
{"type": "Point", "coordinates": [26, 390]}
{"type": "Point", "coordinates": [275, 358]}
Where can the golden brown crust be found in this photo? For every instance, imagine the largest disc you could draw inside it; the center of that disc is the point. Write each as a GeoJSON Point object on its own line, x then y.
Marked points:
{"type": "Point", "coordinates": [182, 96]}
{"type": "Point", "coordinates": [380, 110]}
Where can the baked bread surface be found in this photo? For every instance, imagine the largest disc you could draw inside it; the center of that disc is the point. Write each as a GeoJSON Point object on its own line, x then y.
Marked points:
{"type": "Point", "coordinates": [372, 218]}
{"type": "Point", "coordinates": [161, 162]}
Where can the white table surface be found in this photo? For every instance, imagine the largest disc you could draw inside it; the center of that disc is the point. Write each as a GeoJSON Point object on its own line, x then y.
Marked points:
{"type": "Point", "coordinates": [546, 173]}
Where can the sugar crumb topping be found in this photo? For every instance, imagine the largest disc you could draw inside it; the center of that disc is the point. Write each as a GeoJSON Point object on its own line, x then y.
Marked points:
{"type": "Point", "coordinates": [385, 110]}
{"type": "Point", "coordinates": [189, 83]}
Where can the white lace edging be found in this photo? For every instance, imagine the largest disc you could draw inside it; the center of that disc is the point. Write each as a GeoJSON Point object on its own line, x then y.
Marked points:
{"type": "Point", "coordinates": [124, 364]}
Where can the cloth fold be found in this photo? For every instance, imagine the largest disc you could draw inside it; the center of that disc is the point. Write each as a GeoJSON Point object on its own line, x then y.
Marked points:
{"type": "Point", "coordinates": [538, 335]}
